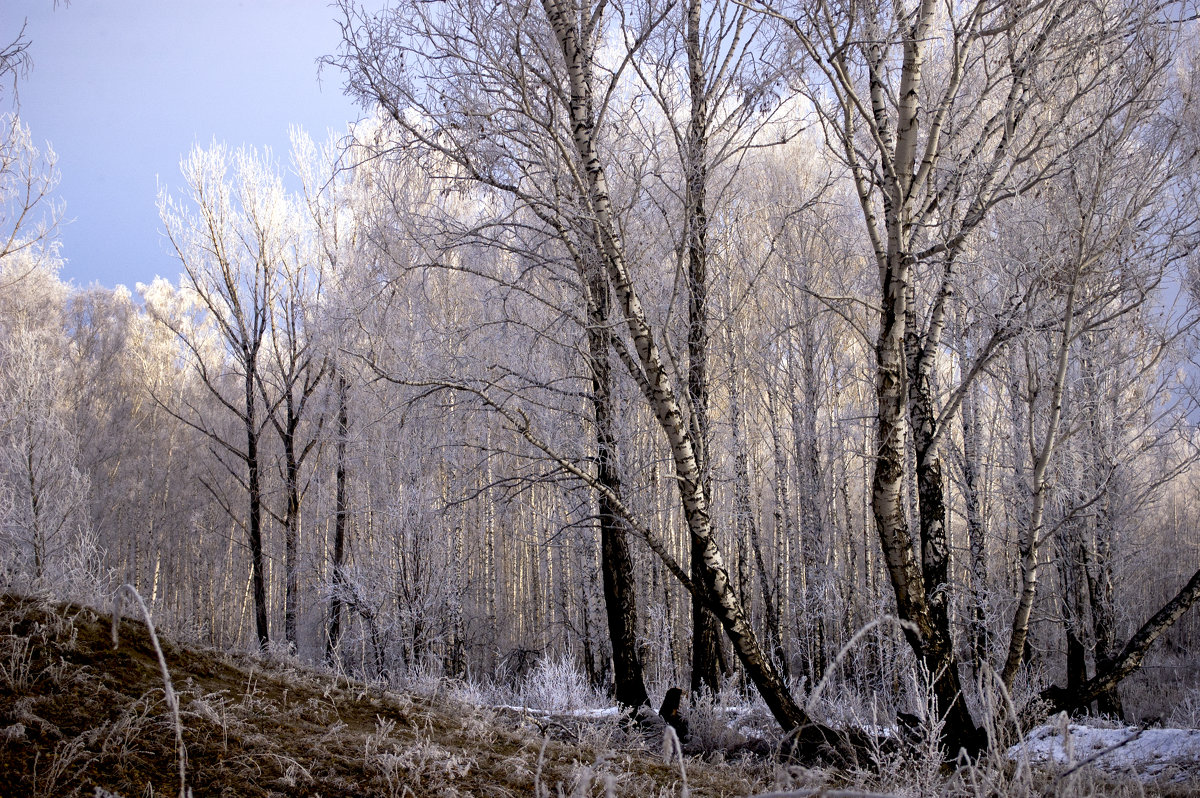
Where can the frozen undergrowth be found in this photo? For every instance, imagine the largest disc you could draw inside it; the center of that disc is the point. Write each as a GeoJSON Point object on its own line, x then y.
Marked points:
{"type": "Point", "coordinates": [554, 693]}
{"type": "Point", "coordinates": [1056, 749]}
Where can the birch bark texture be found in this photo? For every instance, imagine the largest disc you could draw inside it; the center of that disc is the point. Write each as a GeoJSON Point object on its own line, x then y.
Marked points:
{"type": "Point", "coordinates": [934, 149]}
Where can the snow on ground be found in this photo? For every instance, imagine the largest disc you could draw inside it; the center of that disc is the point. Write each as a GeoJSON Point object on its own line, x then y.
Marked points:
{"type": "Point", "coordinates": [590, 714]}
{"type": "Point", "coordinates": [1170, 754]}
{"type": "Point", "coordinates": [1151, 754]}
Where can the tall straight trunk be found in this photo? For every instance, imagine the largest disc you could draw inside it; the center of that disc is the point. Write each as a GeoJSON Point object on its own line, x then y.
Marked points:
{"type": "Point", "coordinates": [595, 672]}
{"type": "Point", "coordinates": [291, 536]}
{"type": "Point", "coordinates": [616, 564]}
{"type": "Point", "coordinates": [35, 513]}
{"type": "Point", "coordinates": [456, 657]}
{"type": "Point", "coordinates": [1017, 508]}
{"type": "Point", "coordinates": [976, 534]}
{"type": "Point", "coordinates": [489, 568]}
{"type": "Point", "coordinates": [1030, 541]}
{"type": "Point", "coordinates": [254, 525]}
{"type": "Point", "coordinates": [813, 536]}
{"type": "Point", "coordinates": [341, 514]}
{"type": "Point", "coordinates": [784, 583]}
{"type": "Point", "coordinates": [706, 640]}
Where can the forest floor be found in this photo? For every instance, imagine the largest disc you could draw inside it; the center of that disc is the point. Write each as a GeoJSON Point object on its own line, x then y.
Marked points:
{"type": "Point", "coordinates": [80, 717]}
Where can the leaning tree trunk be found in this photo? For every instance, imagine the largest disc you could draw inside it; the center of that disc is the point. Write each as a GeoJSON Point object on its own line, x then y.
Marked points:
{"type": "Point", "coordinates": [814, 538]}
{"type": "Point", "coordinates": [713, 577]}
{"type": "Point", "coordinates": [1131, 657]}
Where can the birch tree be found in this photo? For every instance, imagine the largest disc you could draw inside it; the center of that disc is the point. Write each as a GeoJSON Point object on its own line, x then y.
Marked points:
{"type": "Point", "coordinates": [44, 492]}
{"type": "Point", "coordinates": [573, 120]}
{"type": "Point", "coordinates": [332, 201]}
{"type": "Point", "coordinates": [940, 115]}
{"type": "Point", "coordinates": [229, 235]}
{"type": "Point", "coordinates": [294, 368]}
{"type": "Point", "coordinates": [28, 177]}
{"type": "Point", "coordinates": [712, 76]}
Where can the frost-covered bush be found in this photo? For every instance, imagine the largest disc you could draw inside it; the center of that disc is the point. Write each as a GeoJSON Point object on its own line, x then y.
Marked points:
{"type": "Point", "coordinates": [1186, 714]}
{"type": "Point", "coordinates": [556, 685]}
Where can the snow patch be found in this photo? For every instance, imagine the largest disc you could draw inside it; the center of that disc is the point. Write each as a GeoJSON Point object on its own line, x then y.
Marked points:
{"type": "Point", "coordinates": [590, 714]}
{"type": "Point", "coordinates": [1151, 754]}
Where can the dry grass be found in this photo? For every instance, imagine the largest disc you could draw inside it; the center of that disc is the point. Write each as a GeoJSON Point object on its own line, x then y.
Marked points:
{"type": "Point", "coordinates": [77, 716]}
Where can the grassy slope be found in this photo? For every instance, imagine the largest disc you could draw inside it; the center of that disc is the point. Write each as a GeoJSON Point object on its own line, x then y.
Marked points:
{"type": "Point", "coordinates": [75, 714]}
{"type": "Point", "coordinates": [80, 718]}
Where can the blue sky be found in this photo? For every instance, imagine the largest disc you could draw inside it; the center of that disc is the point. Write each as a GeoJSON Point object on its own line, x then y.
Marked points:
{"type": "Point", "coordinates": [123, 88]}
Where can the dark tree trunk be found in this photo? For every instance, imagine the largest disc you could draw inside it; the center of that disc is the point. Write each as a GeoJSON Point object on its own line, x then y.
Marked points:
{"type": "Point", "coordinates": [938, 648]}
{"type": "Point", "coordinates": [254, 485]}
{"type": "Point", "coordinates": [706, 634]}
{"type": "Point", "coordinates": [1076, 658]}
{"type": "Point", "coordinates": [341, 514]}
{"type": "Point", "coordinates": [920, 587]}
{"type": "Point", "coordinates": [976, 534]}
{"type": "Point", "coordinates": [620, 600]}
{"type": "Point", "coordinates": [921, 352]}
{"type": "Point", "coordinates": [706, 638]}
{"type": "Point", "coordinates": [1072, 563]}
{"type": "Point", "coordinates": [616, 564]}
{"type": "Point", "coordinates": [291, 537]}
{"type": "Point", "coordinates": [1100, 595]}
